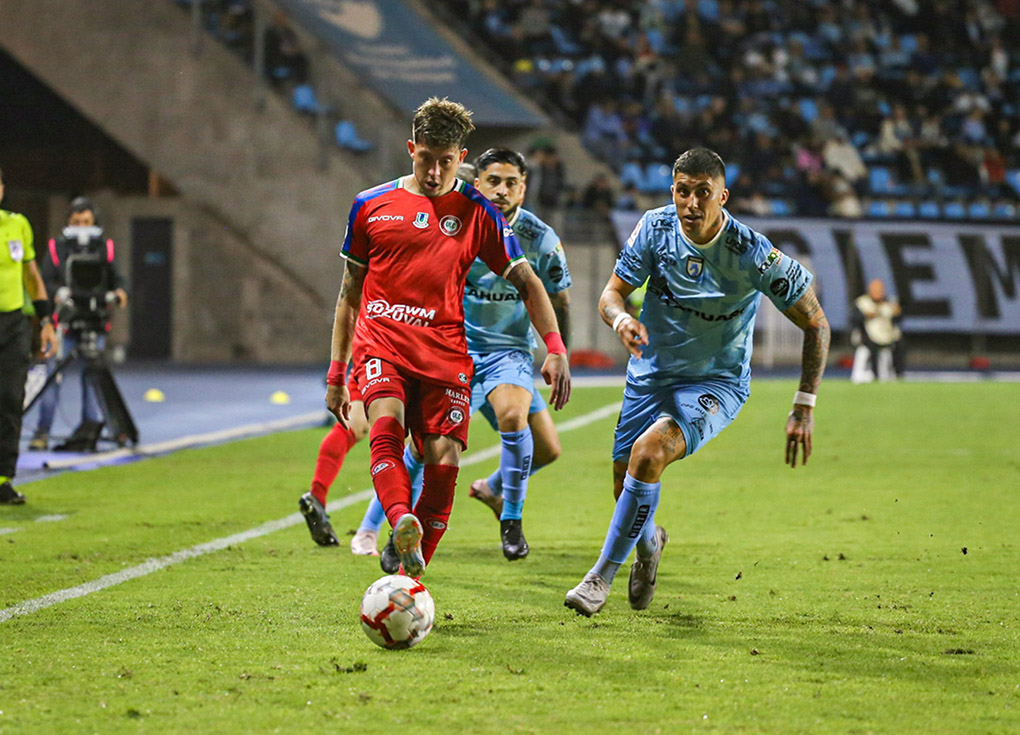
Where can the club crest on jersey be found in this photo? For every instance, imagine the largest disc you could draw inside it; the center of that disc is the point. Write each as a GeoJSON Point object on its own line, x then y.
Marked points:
{"type": "Point", "coordinates": [421, 220]}
{"type": "Point", "coordinates": [450, 225]}
{"type": "Point", "coordinates": [695, 266]}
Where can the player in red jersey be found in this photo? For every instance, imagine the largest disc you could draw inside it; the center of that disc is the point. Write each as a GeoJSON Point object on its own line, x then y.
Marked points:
{"type": "Point", "coordinates": [409, 245]}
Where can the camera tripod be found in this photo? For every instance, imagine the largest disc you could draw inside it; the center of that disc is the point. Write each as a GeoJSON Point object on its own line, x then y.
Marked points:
{"type": "Point", "coordinates": [97, 376]}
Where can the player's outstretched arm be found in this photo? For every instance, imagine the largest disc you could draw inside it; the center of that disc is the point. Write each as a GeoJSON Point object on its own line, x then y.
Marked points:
{"type": "Point", "coordinates": [612, 308]}
{"type": "Point", "coordinates": [808, 315]}
{"type": "Point", "coordinates": [338, 398]}
{"type": "Point", "coordinates": [556, 368]}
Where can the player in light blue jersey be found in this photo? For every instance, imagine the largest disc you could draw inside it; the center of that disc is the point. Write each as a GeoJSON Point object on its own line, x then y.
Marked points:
{"type": "Point", "coordinates": [500, 343]}
{"type": "Point", "coordinates": [689, 371]}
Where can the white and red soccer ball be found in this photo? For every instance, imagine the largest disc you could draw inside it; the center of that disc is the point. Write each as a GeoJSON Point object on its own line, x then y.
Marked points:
{"type": "Point", "coordinates": [397, 612]}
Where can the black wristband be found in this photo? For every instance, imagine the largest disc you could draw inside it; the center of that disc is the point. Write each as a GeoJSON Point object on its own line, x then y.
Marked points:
{"type": "Point", "coordinates": [42, 307]}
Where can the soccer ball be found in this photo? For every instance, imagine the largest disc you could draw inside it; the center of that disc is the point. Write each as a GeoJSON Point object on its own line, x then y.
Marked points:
{"type": "Point", "coordinates": [397, 612]}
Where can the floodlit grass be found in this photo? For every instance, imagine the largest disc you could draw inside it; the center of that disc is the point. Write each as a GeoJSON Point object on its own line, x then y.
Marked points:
{"type": "Point", "coordinates": [873, 591]}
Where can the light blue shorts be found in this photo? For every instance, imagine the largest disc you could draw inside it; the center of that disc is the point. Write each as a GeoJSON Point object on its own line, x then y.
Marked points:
{"type": "Point", "coordinates": [513, 367]}
{"type": "Point", "coordinates": [701, 410]}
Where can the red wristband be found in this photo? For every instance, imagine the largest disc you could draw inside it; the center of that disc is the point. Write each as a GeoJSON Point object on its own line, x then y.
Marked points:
{"type": "Point", "coordinates": [554, 343]}
{"type": "Point", "coordinates": [337, 374]}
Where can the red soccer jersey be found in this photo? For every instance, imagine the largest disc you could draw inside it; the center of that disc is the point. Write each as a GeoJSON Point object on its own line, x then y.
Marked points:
{"type": "Point", "coordinates": [418, 251]}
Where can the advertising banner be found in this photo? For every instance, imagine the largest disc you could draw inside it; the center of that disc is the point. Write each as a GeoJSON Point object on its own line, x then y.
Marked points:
{"type": "Point", "coordinates": [396, 51]}
{"type": "Point", "coordinates": [949, 278]}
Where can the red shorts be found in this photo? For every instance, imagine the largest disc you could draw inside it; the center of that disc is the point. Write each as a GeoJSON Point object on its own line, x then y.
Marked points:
{"type": "Point", "coordinates": [429, 408]}
{"type": "Point", "coordinates": [353, 387]}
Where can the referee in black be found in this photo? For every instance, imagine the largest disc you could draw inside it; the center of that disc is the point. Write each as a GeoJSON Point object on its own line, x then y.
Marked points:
{"type": "Point", "coordinates": [18, 275]}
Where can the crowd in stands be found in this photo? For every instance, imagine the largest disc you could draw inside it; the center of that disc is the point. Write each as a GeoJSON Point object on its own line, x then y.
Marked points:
{"type": "Point", "coordinates": [820, 107]}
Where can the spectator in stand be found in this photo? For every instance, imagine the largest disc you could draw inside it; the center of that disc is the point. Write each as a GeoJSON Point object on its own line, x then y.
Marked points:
{"type": "Point", "coordinates": [598, 195]}
{"type": "Point", "coordinates": [285, 61]}
{"type": "Point", "coordinates": [548, 179]}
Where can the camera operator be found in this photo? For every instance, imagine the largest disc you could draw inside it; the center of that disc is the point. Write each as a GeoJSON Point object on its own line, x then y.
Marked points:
{"type": "Point", "coordinates": [82, 315]}
{"type": "Point", "coordinates": [18, 276]}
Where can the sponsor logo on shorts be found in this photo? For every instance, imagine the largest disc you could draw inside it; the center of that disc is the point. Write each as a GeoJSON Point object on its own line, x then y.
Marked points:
{"type": "Point", "coordinates": [780, 286]}
{"type": "Point", "coordinates": [709, 402]}
{"type": "Point", "coordinates": [386, 218]}
{"type": "Point", "coordinates": [457, 396]}
{"type": "Point", "coordinates": [450, 225]}
{"type": "Point", "coordinates": [417, 316]}
{"type": "Point", "coordinates": [380, 466]}
{"type": "Point", "coordinates": [462, 377]}
{"type": "Point", "coordinates": [421, 220]}
{"type": "Point", "coordinates": [455, 416]}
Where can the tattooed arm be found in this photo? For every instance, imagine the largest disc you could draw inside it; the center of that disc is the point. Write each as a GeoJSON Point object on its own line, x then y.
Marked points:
{"type": "Point", "coordinates": [612, 303]}
{"type": "Point", "coordinates": [808, 315]}
{"type": "Point", "coordinates": [338, 398]}
{"type": "Point", "coordinates": [555, 369]}
{"type": "Point", "coordinates": [561, 307]}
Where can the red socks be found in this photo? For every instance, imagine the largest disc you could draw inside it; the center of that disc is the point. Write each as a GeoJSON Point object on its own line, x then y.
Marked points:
{"type": "Point", "coordinates": [389, 476]}
{"type": "Point", "coordinates": [434, 505]}
{"type": "Point", "coordinates": [332, 451]}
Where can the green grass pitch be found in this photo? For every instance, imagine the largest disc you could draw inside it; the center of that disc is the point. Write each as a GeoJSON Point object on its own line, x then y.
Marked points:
{"type": "Point", "coordinates": [874, 591]}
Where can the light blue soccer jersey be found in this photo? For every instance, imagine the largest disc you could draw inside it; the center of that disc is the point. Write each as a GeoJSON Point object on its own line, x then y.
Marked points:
{"type": "Point", "coordinates": [702, 300]}
{"type": "Point", "coordinates": [495, 318]}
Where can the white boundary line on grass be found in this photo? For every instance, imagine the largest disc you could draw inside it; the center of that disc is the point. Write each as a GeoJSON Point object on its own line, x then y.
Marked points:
{"type": "Point", "coordinates": [154, 565]}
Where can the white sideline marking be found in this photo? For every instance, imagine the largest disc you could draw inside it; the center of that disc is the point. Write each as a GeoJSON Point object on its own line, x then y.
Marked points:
{"type": "Point", "coordinates": [8, 530]}
{"type": "Point", "coordinates": [51, 518]}
{"type": "Point", "coordinates": [171, 445]}
{"type": "Point", "coordinates": [154, 565]}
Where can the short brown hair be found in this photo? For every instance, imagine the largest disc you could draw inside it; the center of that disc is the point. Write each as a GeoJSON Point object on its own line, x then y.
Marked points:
{"type": "Point", "coordinates": [441, 123]}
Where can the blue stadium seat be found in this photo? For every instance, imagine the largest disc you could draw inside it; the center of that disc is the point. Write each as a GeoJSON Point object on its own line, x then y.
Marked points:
{"type": "Point", "coordinates": [979, 210]}
{"type": "Point", "coordinates": [658, 178]}
{"type": "Point", "coordinates": [905, 208]}
{"type": "Point", "coordinates": [305, 99]}
{"type": "Point", "coordinates": [808, 109]}
{"type": "Point", "coordinates": [929, 209]}
{"type": "Point", "coordinates": [1004, 210]}
{"type": "Point", "coordinates": [780, 207]}
{"type": "Point", "coordinates": [878, 208]}
{"type": "Point", "coordinates": [954, 210]}
{"type": "Point", "coordinates": [709, 10]}
{"type": "Point", "coordinates": [347, 137]}
{"type": "Point", "coordinates": [1013, 179]}
{"type": "Point", "coordinates": [880, 180]}
{"type": "Point", "coordinates": [632, 173]}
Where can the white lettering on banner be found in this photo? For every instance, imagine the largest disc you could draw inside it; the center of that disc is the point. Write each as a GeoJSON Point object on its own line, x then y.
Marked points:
{"type": "Point", "coordinates": [949, 278]}
{"type": "Point", "coordinates": [416, 316]}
